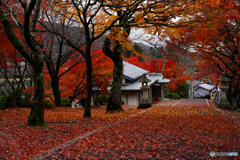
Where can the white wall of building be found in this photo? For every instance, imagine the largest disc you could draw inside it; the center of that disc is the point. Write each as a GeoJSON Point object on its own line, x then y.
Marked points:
{"type": "Point", "coordinates": [130, 97]}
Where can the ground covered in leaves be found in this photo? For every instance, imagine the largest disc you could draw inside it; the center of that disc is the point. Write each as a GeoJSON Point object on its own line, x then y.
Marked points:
{"type": "Point", "coordinates": [19, 141]}
{"type": "Point", "coordinates": [181, 129]}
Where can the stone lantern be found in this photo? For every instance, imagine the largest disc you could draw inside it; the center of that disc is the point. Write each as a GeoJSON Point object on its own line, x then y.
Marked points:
{"type": "Point", "coordinates": [145, 102]}
{"type": "Point", "coordinates": [223, 101]}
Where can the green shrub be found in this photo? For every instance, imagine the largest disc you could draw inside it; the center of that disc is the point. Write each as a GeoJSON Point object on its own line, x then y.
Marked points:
{"type": "Point", "coordinates": [2, 101]}
{"type": "Point", "coordinates": [26, 101]}
{"type": "Point", "coordinates": [21, 99]}
{"type": "Point", "coordinates": [66, 102]}
{"type": "Point", "coordinates": [172, 95]}
{"type": "Point", "coordinates": [176, 96]}
{"type": "Point", "coordinates": [237, 103]}
{"type": "Point", "coordinates": [93, 106]}
{"type": "Point", "coordinates": [168, 95]}
{"type": "Point", "coordinates": [6, 101]}
{"type": "Point", "coordinates": [122, 101]}
{"type": "Point", "coordinates": [18, 96]}
{"type": "Point", "coordinates": [183, 90]}
{"type": "Point", "coordinates": [48, 104]}
{"type": "Point", "coordinates": [102, 99]}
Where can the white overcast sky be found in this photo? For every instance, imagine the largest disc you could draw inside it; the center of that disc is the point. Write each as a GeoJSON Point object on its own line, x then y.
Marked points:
{"type": "Point", "coordinates": [140, 36]}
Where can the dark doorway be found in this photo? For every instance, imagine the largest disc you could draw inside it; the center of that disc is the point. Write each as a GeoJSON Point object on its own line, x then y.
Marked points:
{"type": "Point", "coordinates": [156, 93]}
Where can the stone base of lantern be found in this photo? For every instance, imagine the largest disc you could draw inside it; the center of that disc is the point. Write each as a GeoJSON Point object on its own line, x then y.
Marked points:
{"type": "Point", "coordinates": [144, 105]}
{"type": "Point", "coordinates": [224, 105]}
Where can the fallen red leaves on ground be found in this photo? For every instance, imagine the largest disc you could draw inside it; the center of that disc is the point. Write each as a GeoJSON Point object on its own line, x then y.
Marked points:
{"type": "Point", "coordinates": [169, 131]}
{"type": "Point", "coordinates": [19, 141]}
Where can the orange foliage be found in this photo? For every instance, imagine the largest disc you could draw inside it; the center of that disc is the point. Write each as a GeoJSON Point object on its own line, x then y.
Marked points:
{"type": "Point", "coordinates": [173, 71]}
{"type": "Point", "coordinates": [206, 69]}
{"type": "Point", "coordinates": [102, 70]}
{"type": "Point", "coordinates": [74, 81]}
{"type": "Point", "coordinates": [7, 50]}
{"type": "Point", "coordinates": [215, 39]}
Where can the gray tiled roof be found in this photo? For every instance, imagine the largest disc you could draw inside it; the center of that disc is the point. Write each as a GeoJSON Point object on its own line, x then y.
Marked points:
{"type": "Point", "coordinates": [154, 77]}
{"type": "Point", "coordinates": [159, 77]}
{"type": "Point", "coordinates": [132, 72]}
{"type": "Point", "coordinates": [136, 85]}
{"type": "Point", "coordinates": [200, 92]}
{"type": "Point", "coordinates": [195, 82]}
{"type": "Point", "coordinates": [206, 86]}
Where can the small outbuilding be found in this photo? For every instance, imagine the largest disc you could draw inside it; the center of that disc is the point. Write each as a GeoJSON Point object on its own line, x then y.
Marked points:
{"type": "Point", "coordinates": [203, 90]}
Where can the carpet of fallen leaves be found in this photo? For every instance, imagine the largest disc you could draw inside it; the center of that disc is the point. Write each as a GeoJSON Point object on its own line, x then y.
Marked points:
{"type": "Point", "coordinates": [19, 141]}
{"type": "Point", "coordinates": [185, 129]}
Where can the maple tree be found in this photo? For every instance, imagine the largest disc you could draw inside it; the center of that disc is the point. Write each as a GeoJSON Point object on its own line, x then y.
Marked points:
{"type": "Point", "coordinates": [130, 15]}
{"type": "Point", "coordinates": [83, 16]}
{"type": "Point", "coordinates": [153, 17]}
{"type": "Point", "coordinates": [88, 17]}
{"type": "Point", "coordinates": [95, 18]}
{"type": "Point", "coordinates": [72, 83]}
{"type": "Point", "coordinates": [66, 60]}
{"type": "Point", "coordinates": [57, 52]}
{"type": "Point", "coordinates": [13, 70]}
{"type": "Point", "coordinates": [32, 53]}
{"type": "Point", "coordinates": [207, 69]}
{"type": "Point", "coordinates": [102, 74]}
{"type": "Point", "coordinates": [176, 64]}
{"type": "Point", "coordinates": [76, 78]}
{"type": "Point", "coordinates": [12, 66]}
{"type": "Point", "coordinates": [72, 80]}
{"type": "Point", "coordinates": [215, 41]}
{"type": "Point", "coordinates": [114, 42]}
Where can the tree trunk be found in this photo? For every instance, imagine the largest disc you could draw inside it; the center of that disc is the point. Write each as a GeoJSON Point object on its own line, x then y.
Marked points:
{"type": "Point", "coordinates": [14, 101]}
{"type": "Point", "coordinates": [87, 111]}
{"type": "Point", "coordinates": [36, 116]}
{"type": "Point", "coordinates": [95, 98]}
{"type": "Point", "coordinates": [190, 90]}
{"type": "Point", "coordinates": [114, 100]}
{"type": "Point", "coordinates": [56, 92]}
{"type": "Point", "coordinates": [164, 64]}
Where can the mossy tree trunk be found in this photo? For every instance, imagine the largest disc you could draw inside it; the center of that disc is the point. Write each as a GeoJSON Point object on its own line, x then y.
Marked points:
{"type": "Point", "coordinates": [114, 100]}
{"type": "Point", "coordinates": [35, 56]}
{"type": "Point", "coordinates": [36, 117]}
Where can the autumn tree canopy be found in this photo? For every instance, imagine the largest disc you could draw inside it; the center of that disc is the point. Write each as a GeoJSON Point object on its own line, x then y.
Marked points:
{"type": "Point", "coordinates": [209, 30]}
{"type": "Point", "coordinates": [215, 41]}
